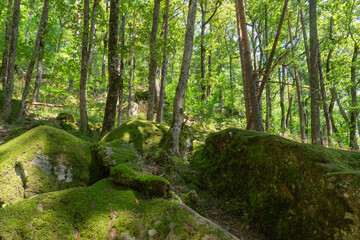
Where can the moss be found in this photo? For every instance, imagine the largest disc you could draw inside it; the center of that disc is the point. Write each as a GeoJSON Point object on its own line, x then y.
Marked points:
{"type": "Point", "coordinates": [68, 126]}
{"type": "Point", "coordinates": [192, 200]}
{"type": "Point", "coordinates": [59, 153]}
{"type": "Point", "coordinates": [290, 190]}
{"type": "Point", "coordinates": [97, 211]}
{"type": "Point", "coordinates": [143, 135]}
{"type": "Point", "coordinates": [14, 133]}
{"type": "Point", "coordinates": [150, 185]}
{"type": "Point", "coordinates": [66, 117]}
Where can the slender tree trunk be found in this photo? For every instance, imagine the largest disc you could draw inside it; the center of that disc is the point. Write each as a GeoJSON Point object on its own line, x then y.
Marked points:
{"type": "Point", "coordinates": [103, 67]}
{"type": "Point", "coordinates": [324, 100]}
{"type": "Point", "coordinates": [314, 76]}
{"type": "Point", "coordinates": [178, 107]}
{"type": "Point", "coordinates": [84, 69]}
{"type": "Point", "coordinates": [153, 64]}
{"type": "Point", "coordinates": [203, 5]}
{"type": "Point", "coordinates": [9, 85]}
{"type": "Point", "coordinates": [5, 58]}
{"type": "Point", "coordinates": [208, 85]}
{"type": "Point", "coordinates": [113, 61]}
{"type": "Point", "coordinates": [91, 48]}
{"type": "Point", "coordinates": [298, 88]}
{"type": "Point", "coordinates": [273, 50]}
{"type": "Point", "coordinates": [354, 111]}
{"type": "Point", "coordinates": [303, 28]}
{"type": "Point", "coordinates": [39, 70]}
{"type": "Point", "coordinates": [130, 82]}
{"type": "Point", "coordinates": [250, 86]}
{"type": "Point", "coordinates": [121, 68]}
{"type": "Point", "coordinates": [159, 113]}
{"type": "Point", "coordinates": [282, 104]}
{"type": "Point", "coordinates": [40, 32]}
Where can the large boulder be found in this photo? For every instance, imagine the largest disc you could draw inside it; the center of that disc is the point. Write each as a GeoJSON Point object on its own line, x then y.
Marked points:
{"type": "Point", "coordinates": [287, 189]}
{"type": "Point", "coordinates": [104, 211]}
{"type": "Point", "coordinates": [43, 159]}
{"type": "Point", "coordinates": [144, 135]}
{"type": "Point", "coordinates": [125, 165]}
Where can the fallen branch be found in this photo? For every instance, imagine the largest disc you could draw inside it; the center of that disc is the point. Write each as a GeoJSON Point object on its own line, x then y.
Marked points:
{"type": "Point", "coordinates": [45, 104]}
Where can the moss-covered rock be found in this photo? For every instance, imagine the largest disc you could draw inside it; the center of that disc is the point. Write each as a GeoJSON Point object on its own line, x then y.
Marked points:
{"type": "Point", "coordinates": [125, 165]}
{"type": "Point", "coordinates": [41, 160]}
{"type": "Point", "coordinates": [103, 211]}
{"type": "Point", "coordinates": [66, 117]}
{"type": "Point", "coordinates": [68, 126]}
{"type": "Point", "coordinates": [290, 190]}
{"type": "Point", "coordinates": [144, 135]}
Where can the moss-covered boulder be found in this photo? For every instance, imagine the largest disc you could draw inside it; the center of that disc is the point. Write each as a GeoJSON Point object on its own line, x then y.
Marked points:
{"type": "Point", "coordinates": [125, 165]}
{"type": "Point", "coordinates": [41, 160]}
{"type": "Point", "coordinates": [287, 189]}
{"type": "Point", "coordinates": [68, 126]}
{"type": "Point", "coordinates": [144, 135]}
{"type": "Point", "coordinates": [66, 117]}
{"type": "Point", "coordinates": [103, 211]}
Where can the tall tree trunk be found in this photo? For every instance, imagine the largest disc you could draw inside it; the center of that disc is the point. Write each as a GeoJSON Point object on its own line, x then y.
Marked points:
{"type": "Point", "coordinates": [121, 68]}
{"type": "Point", "coordinates": [178, 107]}
{"type": "Point", "coordinates": [203, 5]}
{"type": "Point", "coordinates": [103, 66]}
{"type": "Point", "coordinates": [40, 32]}
{"type": "Point", "coordinates": [39, 70]}
{"type": "Point", "coordinates": [113, 61]}
{"type": "Point", "coordinates": [273, 50]}
{"type": "Point", "coordinates": [92, 33]}
{"type": "Point", "coordinates": [61, 36]}
{"type": "Point", "coordinates": [153, 64]}
{"type": "Point", "coordinates": [303, 28]}
{"type": "Point", "coordinates": [9, 85]}
{"type": "Point", "coordinates": [5, 58]}
{"type": "Point", "coordinates": [282, 104]}
{"type": "Point", "coordinates": [159, 112]}
{"type": "Point", "coordinates": [314, 76]}
{"type": "Point", "coordinates": [250, 85]}
{"type": "Point", "coordinates": [131, 74]}
{"type": "Point", "coordinates": [298, 88]}
{"type": "Point", "coordinates": [324, 101]}
{"type": "Point", "coordinates": [241, 51]}
{"type": "Point", "coordinates": [354, 111]}
{"type": "Point", "coordinates": [84, 69]}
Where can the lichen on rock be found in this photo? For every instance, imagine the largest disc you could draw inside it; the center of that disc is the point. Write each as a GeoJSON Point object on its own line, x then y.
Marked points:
{"type": "Point", "coordinates": [289, 190]}
{"type": "Point", "coordinates": [46, 159]}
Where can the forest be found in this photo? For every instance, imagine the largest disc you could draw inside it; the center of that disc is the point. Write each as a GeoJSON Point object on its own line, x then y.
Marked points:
{"type": "Point", "coordinates": [240, 114]}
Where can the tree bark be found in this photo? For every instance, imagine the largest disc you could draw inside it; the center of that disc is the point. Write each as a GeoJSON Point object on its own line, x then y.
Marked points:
{"type": "Point", "coordinates": [103, 67]}
{"type": "Point", "coordinates": [39, 70]}
{"type": "Point", "coordinates": [159, 112]}
{"type": "Point", "coordinates": [5, 58]}
{"type": "Point", "coordinates": [92, 35]}
{"type": "Point", "coordinates": [9, 85]}
{"type": "Point", "coordinates": [298, 88]}
{"type": "Point", "coordinates": [324, 100]}
{"type": "Point", "coordinates": [40, 32]}
{"type": "Point", "coordinates": [153, 64]}
{"type": "Point", "coordinates": [113, 61]}
{"type": "Point", "coordinates": [282, 104]}
{"type": "Point", "coordinates": [121, 68]}
{"type": "Point", "coordinates": [354, 111]}
{"type": "Point", "coordinates": [178, 107]}
{"type": "Point", "coordinates": [273, 50]}
{"type": "Point", "coordinates": [314, 76]}
{"type": "Point", "coordinates": [250, 85]}
{"type": "Point", "coordinates": [84, 69]}
{"type": "Point", "coordinates": [303, 28]}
